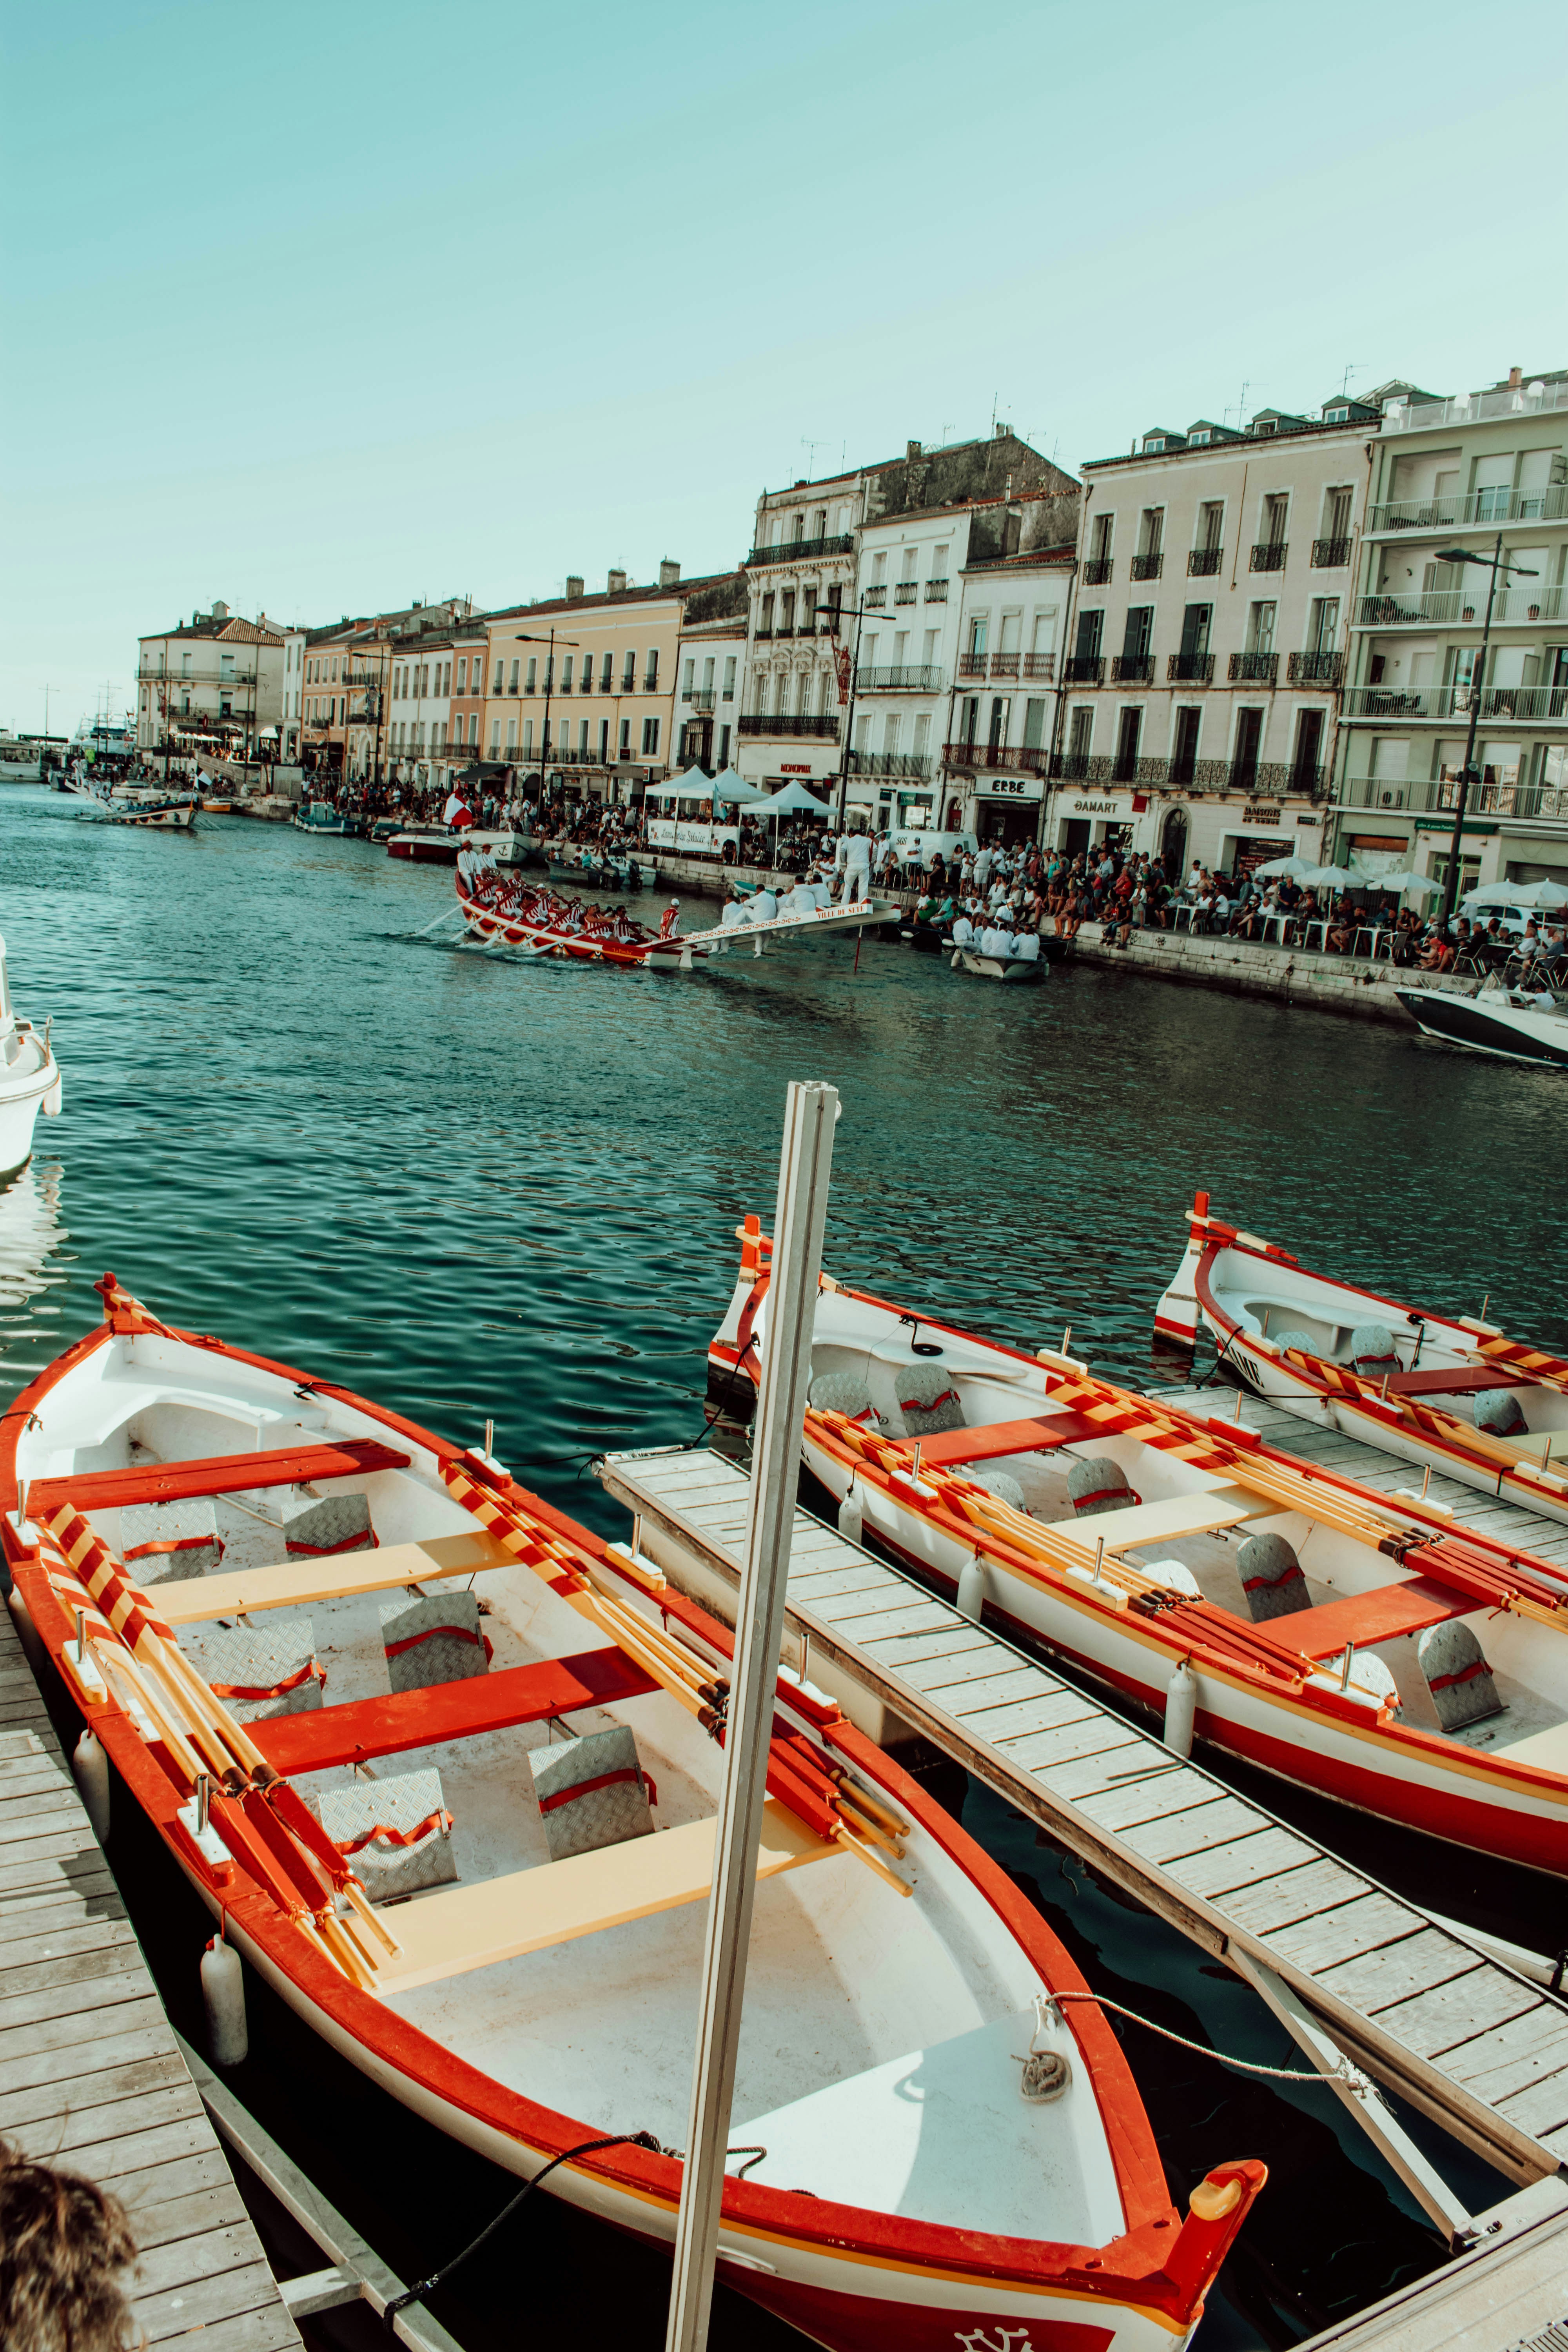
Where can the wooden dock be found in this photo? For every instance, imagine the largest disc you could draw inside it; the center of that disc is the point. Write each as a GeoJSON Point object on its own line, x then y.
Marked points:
{"type": "Point", "coordinates": [1469, 2042]}
{"type": "Point", "coordinates": [90, 2075]}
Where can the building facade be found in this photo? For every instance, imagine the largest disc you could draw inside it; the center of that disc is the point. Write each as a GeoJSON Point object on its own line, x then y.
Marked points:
{"type": "Point", "coordinates": [214, 684]}
{"type": "Point", "coordinates": [847, 576]}
{"type": "Point", "coordinates": [1479, 473]}
{"type": "Point", "coordinates": [1200, 689]}
{"type": "Point", "coordinates": [289, 721]}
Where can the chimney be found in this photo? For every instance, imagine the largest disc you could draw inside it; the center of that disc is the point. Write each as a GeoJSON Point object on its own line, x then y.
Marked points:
{"type": "Point", "coordinates": [1515, 378]}
{"type": "Point", "coordinates": [1004, 432]}
{"type": "Point", "coordinates": [220, 610]}
{"type": "Point", "coordinates": [668, 574]}
{"type": "Point", "coordinates": [574, 586]}
{"type": "Point", "coordinates": [911, 449]}
{"type": "Point", "coordinates": [618, 583]}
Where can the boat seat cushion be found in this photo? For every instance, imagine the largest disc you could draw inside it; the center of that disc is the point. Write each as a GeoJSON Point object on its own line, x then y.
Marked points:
{"type": "Point", "coordinates": [314, 1524]}
{"type": "Point", "coordinates": [261, 1670]}
{"type": "Point", "coordinates": [1373, 1350]}
{"type": "Point", "coordinates": [1005, 1488]}
{"type": "Point", "coordinates": [1272, 1577]}
{"type": "Point", "coordinates": [165, 1543]}
{"type": "Point", "coordinates": [1498, 1411]}
{"type": "Point", "coordinates": [1297, 1339]}
{"type": "Point", "coordinates": [434, 1639]}
{"type": "Point", "coordinates": [591, 1791]}
{"type": "Point", "coordinates": [926, 1401]}
{"type": "Point", "coordinates": [1457, 1676]}
{"type": "Point", "coordinates": [845, 1392]}
{"type": "Point", "coordinates": [394, 1829]}
{"type": "Point", "coordinates": [1098, 1484]}
{"type": "Point", "coordinates": [1174, 1576]}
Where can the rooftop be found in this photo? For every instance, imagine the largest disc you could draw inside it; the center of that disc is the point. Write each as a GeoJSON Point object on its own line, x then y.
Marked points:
{"type": "Point", "coordinates": [606, 599]}
{"type": "Point", "coordinates": [220, 624]}
{"type": "Point", "coordinates": [1341, 412]}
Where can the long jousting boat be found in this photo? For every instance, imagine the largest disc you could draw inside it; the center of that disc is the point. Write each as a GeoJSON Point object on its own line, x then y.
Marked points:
{"type": "Point", "coordinates": [1350, 1641]}
{"type": "Point", "coordinates": [447, 1767]}
{"type": "Point", "coordinates": [511, 910]}
{"type": "Point", "coordinates": [1448, 1392]}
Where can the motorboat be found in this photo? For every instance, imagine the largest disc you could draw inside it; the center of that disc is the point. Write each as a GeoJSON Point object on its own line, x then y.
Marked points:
{"type": "Point", "coordinates": [615, 871]}
{"type": "Point", "coordinates": [29, 1080]}
{"type": "Point", "coordinates": [1448, 1392]}
{"type": "Point", "coordinates": [445, 1768]}
{"type": "Point", "coordinates": [437, 845]}
{"type": "Point", "coordinates": [1517, 1024]}
{"type": "Point", "coordinates": [320, 816]}
{"type": "Point", "coordinates": [508, 911]}
{"type": "Point", "coordinates": [1011, 969]}
{"type": "Point", "coordinates": [1350, 1641]}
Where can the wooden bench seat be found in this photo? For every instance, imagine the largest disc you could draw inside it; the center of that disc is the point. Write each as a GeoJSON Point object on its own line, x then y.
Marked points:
{"type": "Point", "coordinates": [1364, 1618]}
{"type": "Point", "coordinates": [467, 1928]}
{"type": "Point", "coordinates": [293, 1582]}
{"type": "Point", "coordinates": [1455, 1380]}
{"type": "Point", "coordinates": [1173, 1517]}
{"type": "Point", "coordinates": [398, 1720]}
{"type": "Point", "coordinates": [216, 1474]}
{"type": "Point", "coordinates": [951, 1448]}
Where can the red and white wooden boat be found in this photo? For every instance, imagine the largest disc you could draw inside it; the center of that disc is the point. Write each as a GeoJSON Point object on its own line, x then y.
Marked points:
{"type": "Point", "coordinates": [527, 1999]}
{"type": "Point", "coordinates": [1349, 1641]}
{"type": "Point", "coordinates": [1450, 1392]}
{"type": "Point", "coordinates": [513, 910]}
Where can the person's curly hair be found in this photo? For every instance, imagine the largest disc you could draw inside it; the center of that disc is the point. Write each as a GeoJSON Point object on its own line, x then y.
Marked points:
{"type": "Point", "coordinates": [63, 2243]}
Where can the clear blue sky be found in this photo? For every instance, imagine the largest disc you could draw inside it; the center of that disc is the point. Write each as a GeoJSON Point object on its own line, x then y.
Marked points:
{"type": "Point", "coordinates": [320, 309]}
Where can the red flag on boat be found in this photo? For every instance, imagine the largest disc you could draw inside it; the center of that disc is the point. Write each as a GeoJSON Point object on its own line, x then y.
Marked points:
{"type": "Point", "coordinates": [458, 813]}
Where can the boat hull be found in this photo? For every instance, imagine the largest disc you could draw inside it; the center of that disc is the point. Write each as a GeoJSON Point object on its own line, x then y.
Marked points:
{"type": "Point", "coordinates": [1510, 1032]}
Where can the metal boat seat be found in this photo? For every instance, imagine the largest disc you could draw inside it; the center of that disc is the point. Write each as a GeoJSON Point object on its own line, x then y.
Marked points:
{"type": "Point", "coordinates": [1457, 1675]}
{"type": "Point", "coordinates": [395, 1832]}
{"type": "Point", "coordinates": [592, 1792]}
{"type": "Point", "coordinates": [1271, 1578]}
{"type": "Point", "coordinates": [260, 1672]}
{"type": "Point", "coordinates": [434, 1639]}
{"type": "Point", "coordinates": [166, 1542]}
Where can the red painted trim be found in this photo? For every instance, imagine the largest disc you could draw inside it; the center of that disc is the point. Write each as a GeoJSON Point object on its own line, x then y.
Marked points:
{"type": "Point", "coordinates": [218, 1474]}
{"type": "Point", "coordinates": [367, 1727]}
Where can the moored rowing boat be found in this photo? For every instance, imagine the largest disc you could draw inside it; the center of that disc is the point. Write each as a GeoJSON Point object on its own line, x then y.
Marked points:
{"type": "Point", "coordinates": [1351, 1642]}
{"type": "Point", "coordinates": [536, 1991]}
{"type": "Point", "coordinates": [1447, 1393]}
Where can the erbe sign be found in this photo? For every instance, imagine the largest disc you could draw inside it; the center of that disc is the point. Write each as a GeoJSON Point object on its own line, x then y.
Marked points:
{"type": "Point", "coordinates": [1010, 788]}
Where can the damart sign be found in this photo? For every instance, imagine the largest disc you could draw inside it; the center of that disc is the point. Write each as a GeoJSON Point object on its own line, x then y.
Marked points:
{"type": "Point", "coordinates": [1115, 806]}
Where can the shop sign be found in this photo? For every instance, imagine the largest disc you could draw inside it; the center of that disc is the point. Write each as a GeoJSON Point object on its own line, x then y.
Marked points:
{"type": "Point", "coordinates": [1097, 808]}
{"type": "Point", "coordinates": [795, 767]}
{"type": "Point", "coordinates": [1009, 788]}
{"type": "Point", "coordinates": [1260, 817]}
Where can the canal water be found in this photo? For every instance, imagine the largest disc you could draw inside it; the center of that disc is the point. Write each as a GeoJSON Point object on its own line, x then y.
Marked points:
{"type": "Point", "coordinates": [479, 1189]}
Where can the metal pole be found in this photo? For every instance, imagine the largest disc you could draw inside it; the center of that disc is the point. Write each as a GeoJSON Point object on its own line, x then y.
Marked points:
{"type": "Point", "coordinates": [804, 1167]}
{"type": "Point", "coordinates": [850, 716]}
{"type": "Point", "coordinates": [1451, 885]}
{"type": "Point", "coordinates": [545, 746]}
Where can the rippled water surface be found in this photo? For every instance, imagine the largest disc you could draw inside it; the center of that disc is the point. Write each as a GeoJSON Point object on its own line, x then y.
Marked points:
{"type": "Point", "coordinates": [479, 1189]}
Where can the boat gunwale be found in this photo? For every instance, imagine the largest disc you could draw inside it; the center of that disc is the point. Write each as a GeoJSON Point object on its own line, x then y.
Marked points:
{"type": "Point", "coordinates": [814, 2225]}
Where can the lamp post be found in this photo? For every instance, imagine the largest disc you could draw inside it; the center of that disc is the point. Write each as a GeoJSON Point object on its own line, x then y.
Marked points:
{"type": "Point", "coordinates": [836, 613]}
{"type": "Point", "coordinates": [522, 638]}
{"type": "Point", "coordinates": [1494, 564]}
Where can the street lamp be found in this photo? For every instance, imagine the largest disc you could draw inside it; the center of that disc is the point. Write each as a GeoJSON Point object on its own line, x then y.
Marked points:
{"type": "Point", "coordinates": [522, 638]}
{"type": "Point", "coordinates": [835, 615]}
{"type": "Point", "coordinates": [1494, 564]}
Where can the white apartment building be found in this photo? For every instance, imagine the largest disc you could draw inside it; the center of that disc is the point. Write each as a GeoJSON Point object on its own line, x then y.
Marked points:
{"type": "Point", "coordinates": [289, 717]}
{"type": "Point", "coordinates": [1201, 685]}
{"type": "Point", "coordinates": [1480, 472]}
{"type": "Point", "coordinates": [710, 656]}
{"type": "Point", "coordinates": [834, 559]}
{"type": "Point", "coordinates": [212, 683]}
{"type": "Point", "coordinates": [418, 708]}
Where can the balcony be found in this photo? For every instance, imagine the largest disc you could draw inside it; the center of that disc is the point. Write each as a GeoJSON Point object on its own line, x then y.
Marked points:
{"type": "Point", "coordinates": [803, 551]}
{"type": "Point", "coordinates": [972, 664]}
{"type": "Point", "coordinates": [1268, 555]}
{"type": "Point", "coordinates": [1462, 607]}
{"type": "Point", "coordinates": [1042, 667]}
{"type": "Point", "coordinates": [1456, 513]}
{"type": "Point", "coordinates": [1204, 563]}
{"type": "Point", "coordinates": [1148, 567]}
{"type": "Point", "coordinates": [1132, 669]}
{"type": "Point", "coordinates": [1532, 705]}
{"type": "Point", "coordinates": [914, 765]}
{"type": "Point", "coordinates": [875, 598]}
{"type": "Point", "coordinates": [1006, 665]}
{"type": "Point", "coordinates": [762, 633]}
{"type": "Point", "coordinates": [1257, 669]}
{"type": "Point", "coordinates": [649, 684]}
{"type": "Point", "coordinates": [824, 725]}
{"type": "Point", "coordinates": [1097, 570]}
{"type": "Point", "coordinates": [1260, 780]}
{"type": "Point", "coordinates": [936, 592]}
{"type": "Point", "coordinates": [1331, 554]}
{"type": "Point", "coordinates": [1189, 669]}
{"type": "Point", "coordinates": [901, 677]}
{"type": "Point", "coordinates": [1474, 408]}
{"type": "Point", "coordinates": [1315, 670]}
{"type": "Point", "coordinates": [1084, 669]}
{"type": "Point", "coordinates": [905, 592]}
{"type": "Point", "coordinates": [1435, 795]}
{"type": "Point", "coordinates": [1023, 759]}
{"type": "Point", "coordinates": [700, 697]}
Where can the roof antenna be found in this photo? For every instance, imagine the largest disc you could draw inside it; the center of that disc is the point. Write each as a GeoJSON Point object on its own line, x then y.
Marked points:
{"type": "Point", "coordinates": [811, 448]}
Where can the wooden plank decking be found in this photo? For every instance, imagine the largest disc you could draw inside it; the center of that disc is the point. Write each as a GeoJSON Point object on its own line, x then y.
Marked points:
{"type": "Point", "coordinates": [91, 2077]}
{"type": "Point", "coordinates": [1473, 2047]}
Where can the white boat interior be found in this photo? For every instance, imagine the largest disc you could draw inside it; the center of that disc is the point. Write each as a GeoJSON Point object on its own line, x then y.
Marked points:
{"type": "Point", "coordinates": [1186, 1527]}
{"type": "Point", "coordinates": [879, 2061]}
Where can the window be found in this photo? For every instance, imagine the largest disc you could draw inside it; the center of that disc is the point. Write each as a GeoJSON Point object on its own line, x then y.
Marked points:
{"type": "Point", "coordinates": [1035, 722]}
{"type": "Point", "coordinates": [582, 739]}
{"type": "Point", "coordinates": [511, 687]}
{"type": "Point", "coordinates": [689, 681]}
{"type": "Point", "coordinates": [629, 673]}
{"type": "Point", "coordinates": [1090, 632]}
{"type": "Point", "coordinates": [978, 630]}
{"type": "Point", "coordinates": [1323, 626]}
{"type": "Point", "coordinates": [1151, 530]}
{"type": "Point", "coordinates": [844, 523]}
{"type": "Point", "coordinates": [528, 739]}
{"type": "Point", "coordinates": [797, 529]}
{"type": "Point", "coordinates": [606, 672]}
{"type": "Point", "coordinates": [474, 729]}
{"type": "Point", "coordinates": [922, 738]}
{"type": "Point", "coordinates": [879, 570]}
{"type": "Point", "coordinates": [531, 683]}
{"type": "Point", "coordinates": [650, 682]}
{"type": "Point", "coordinates": [787, 613]}
{"type": "Point", "coordinates": [1196, 622]}
{"type": "Point", "coordinates": [1276, 513]}
{"type": "Point", "coordinates": [511, 734]}
{"type": "Point", "coordinates": [626, 746]}
{"type": "Point", "coordinates": [566, 674]}
{"type": "Point", "coordinates": [1080, 733]}
{"type": "Point", "coordinates": [1185, 745]}
{"type": "Point", "coordinates": [808, 613]}
{"type": "Point", "coordinates": [462, 677]}
{"type": "Point", "coordinates": [708, 677]}
{"type": "Point", "coordinates": [1260, 627]}
{"type": "Point", "coordinates": [334, 673]}
{"type": "Point", "coordinates": [1336, 416]}
{"type": "Point", "coordinates": [1138, 633]}
{"type": "Point", "coordinates": [1337, 514]}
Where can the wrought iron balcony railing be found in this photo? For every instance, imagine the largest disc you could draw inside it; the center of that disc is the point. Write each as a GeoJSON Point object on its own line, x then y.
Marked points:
{"type": "Point", "coordinates": [1315, 670]}
{"type": "Point", "coordinates": [1204, 563]}
{"type": "Point", "coordinates": [1331, 554]}
{"type": "Point", "coordinates": [1132, 669]}
{"type": "Point", "coordinates": [1023, 759]}
{"type": "Point", "coordinates": [972, 664]}
{"type": "Point", "coordinates": [1189, 669]}
{"type": "Point", "coordinates": [1255, 668]}
{"type": "Point", "coordinates": [803, 551]}
{"type": "Point", "coordinates": [1084, 669]}
{"type": "Point", "coordinates": [906, 591]}
{"type": "Point", "coordinates": [916, 764]}
{"type": "Point", "coordinates": [1148, 567]}
{"type": "Point", "coordinates": [1268, 555]}
{"type": "Point", "coordinates": [1097, 570]}
{"type": "Point", "coordinates": [936, 592]}
{"type": "Point", "coordinates": [823, 724]}
{"type": "Point", "coordinates": [1040, 666]}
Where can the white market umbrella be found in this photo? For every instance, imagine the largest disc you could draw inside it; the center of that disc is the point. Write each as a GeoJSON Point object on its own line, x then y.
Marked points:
{"type": "Point", "coordinates": [1337, 878]}
{"type": "Point", "coordinates": [1400, 882]}
{"type": "Point", "coordinates": [1299, 869]}
{"type": "Point", "coordinates": [793, 799]}
{"type": "Point", "coordinates": [1518, 894]}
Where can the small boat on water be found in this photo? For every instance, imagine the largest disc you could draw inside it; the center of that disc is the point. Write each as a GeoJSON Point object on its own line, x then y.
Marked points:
{"type": "Point", "coordinates": [508, 911]}
{"type": "Point", "coordinates": [219, 808]}
{"type": "Point", "coordinates": [156, 807]}
{"type": "Point", "coordinates": [29, 1080]}
{"type": "Point", "coordinates": [1350, 1642]}
{"type": "Point", "coordinates": [601, 873]}
{"type": "Point", "coordinates": [320, 816]}
{"type": "Point", "coordinates": [446, 1768]}
{"type": "Point", "coordinates": [1445, 1392]}
{"type": "Point", "coordinates": [1516, 1025]}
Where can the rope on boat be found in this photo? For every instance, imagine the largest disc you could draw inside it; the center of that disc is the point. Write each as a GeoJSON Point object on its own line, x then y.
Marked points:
{"type": "Point", "coordinates": [1351, 2076]}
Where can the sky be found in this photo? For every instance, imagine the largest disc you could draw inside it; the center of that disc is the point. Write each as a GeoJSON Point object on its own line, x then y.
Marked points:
{"type": "Point", "coordinates": [320, 310]}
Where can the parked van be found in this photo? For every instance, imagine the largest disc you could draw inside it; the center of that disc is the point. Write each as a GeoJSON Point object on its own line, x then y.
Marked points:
{"type": "Point", "coordinates": [909, 845]}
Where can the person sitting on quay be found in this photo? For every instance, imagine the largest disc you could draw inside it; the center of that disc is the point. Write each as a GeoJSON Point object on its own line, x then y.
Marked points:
{"type": "Point", "coordinates": [65, 2246]}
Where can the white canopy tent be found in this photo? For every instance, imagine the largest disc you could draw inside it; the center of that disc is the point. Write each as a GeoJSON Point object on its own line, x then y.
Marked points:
{"type": "Point", "coordinates": [729, 787]}
{"type": "Point", "coordinates": [792, 800]}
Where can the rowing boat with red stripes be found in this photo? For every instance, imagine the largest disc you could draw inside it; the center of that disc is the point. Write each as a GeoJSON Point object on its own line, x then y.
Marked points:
{"type": "Point", "coordinates": [1448, 1392]}
{"type": "Point", "coordinates": [451, 1789]}
{"type": "Point", "coordinates": [1347, 1641]}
